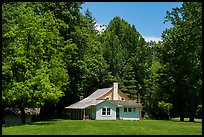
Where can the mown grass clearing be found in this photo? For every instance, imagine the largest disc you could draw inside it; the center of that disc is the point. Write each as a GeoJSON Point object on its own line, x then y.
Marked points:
{"type": "Point", "coordinates": [97, 127]}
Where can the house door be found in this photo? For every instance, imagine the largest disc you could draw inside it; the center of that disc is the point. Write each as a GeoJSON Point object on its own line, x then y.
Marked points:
{"type": "Point", "coordinates": [117, 113]}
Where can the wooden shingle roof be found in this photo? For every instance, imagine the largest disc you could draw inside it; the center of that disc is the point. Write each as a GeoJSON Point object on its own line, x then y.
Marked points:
{"type": "Point", "coordinates": [93, 100]}
{"type": "Point", "coordinates": [90, 100]}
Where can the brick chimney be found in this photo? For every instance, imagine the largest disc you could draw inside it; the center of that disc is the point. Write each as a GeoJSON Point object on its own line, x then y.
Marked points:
{"type": "Point", "coordinates": [115, 91]}
{"type": "Point", "coordinates": [81, 97]}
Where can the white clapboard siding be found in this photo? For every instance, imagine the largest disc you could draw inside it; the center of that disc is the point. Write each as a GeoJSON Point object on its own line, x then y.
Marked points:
{"type": "Point", "coordinates": [130, 115]}
{"type": "Point", "coordinates": [105, 104]}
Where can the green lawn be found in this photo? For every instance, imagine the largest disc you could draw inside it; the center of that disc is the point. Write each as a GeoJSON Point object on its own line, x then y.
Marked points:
{"type": "Point", "coordinates": [97, 127]}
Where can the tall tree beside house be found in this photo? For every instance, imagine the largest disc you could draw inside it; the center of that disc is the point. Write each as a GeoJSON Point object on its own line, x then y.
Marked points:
{"type": "Point", "coordinates": [87, 67]}
{"type": "Point", "coordinates": [91, 21]}
{"type": "Point", "coordinates": [84, 64]}
{"type": "Point", "coordinates": [127, 55]}
{"type": "Point", "coordinates": [181, 56]}
{"type": "Point", "coordinates": [33, 66]}
{"type": "Point", "coordinates": [93, 67]}
{"type": "Point", "coordinates": [152, 87]}
{"type": "Point", "coordinates": [129, 83]}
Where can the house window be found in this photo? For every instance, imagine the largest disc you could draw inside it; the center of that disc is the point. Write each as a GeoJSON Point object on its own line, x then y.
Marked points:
{"type": "Point", "coordinates": [107, 98]}
{"type": "Point", "coordinates": [129, 109]}
{"type": "Point", "coordinates": [106, 111]}
{"type": "Point", "coordinates": [122, 99]}
{"type": "Point", "coordinates": [125, 109]}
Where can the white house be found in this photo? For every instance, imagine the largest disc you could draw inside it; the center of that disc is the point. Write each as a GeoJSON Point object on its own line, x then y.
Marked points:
{"type": "Point", "coordinates": [105, 104]}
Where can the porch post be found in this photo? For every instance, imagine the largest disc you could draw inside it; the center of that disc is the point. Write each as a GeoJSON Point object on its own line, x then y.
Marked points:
{"type": "Point", "coordinates": [78, 114]}
{"type": "Point", "coordinates": [84, 114]}
{"type": "Point", "coordinates": [73, 113]}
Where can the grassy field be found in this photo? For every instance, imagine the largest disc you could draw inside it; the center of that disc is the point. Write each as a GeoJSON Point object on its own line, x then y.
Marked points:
{"type": "Point", "coordinates": [97, 127]}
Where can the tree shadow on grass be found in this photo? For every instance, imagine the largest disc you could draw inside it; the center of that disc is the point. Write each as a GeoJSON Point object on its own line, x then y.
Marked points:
{"type": "Point", "coordinates": [34, 122]}
{"type": "Point", "coordinates": [43, 122]}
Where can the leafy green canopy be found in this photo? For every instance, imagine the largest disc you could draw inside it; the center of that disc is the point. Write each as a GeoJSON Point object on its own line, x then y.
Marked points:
{"type": "Point", "coordinates": [180, 53]}
{"type": "Point", "coordinates": [127, 55]}
{"type": "Point", "coordinates": [33, 52]}
{"type": "Point", "coordinates": [50, 51]}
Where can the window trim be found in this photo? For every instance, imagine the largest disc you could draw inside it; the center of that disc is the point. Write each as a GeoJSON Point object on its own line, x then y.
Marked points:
{"type": "Point", "coordinates": [103, 112]}
{"type": "Point", "coordinates": [107, 111]}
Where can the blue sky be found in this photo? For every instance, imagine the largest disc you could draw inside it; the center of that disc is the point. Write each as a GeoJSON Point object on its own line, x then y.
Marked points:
{"type": "Point", "coordinates": [148, 17]}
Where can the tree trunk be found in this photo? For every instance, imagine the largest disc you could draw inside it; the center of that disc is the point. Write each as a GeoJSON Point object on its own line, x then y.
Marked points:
{"type": "Point", "coordinates": [191, 119]}
{"type": "Point", "coordinates": [169, 116]}
{"type": "Point", "coordinates": [181, 117]}
{"type": "Point", "coordinates": [192, 108]}
{"type": "Point", "coordinates": [23, 115]}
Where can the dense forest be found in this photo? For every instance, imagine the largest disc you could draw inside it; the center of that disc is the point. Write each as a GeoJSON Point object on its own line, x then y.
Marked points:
{"type": "Point", "coordinates": [52, 54]}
